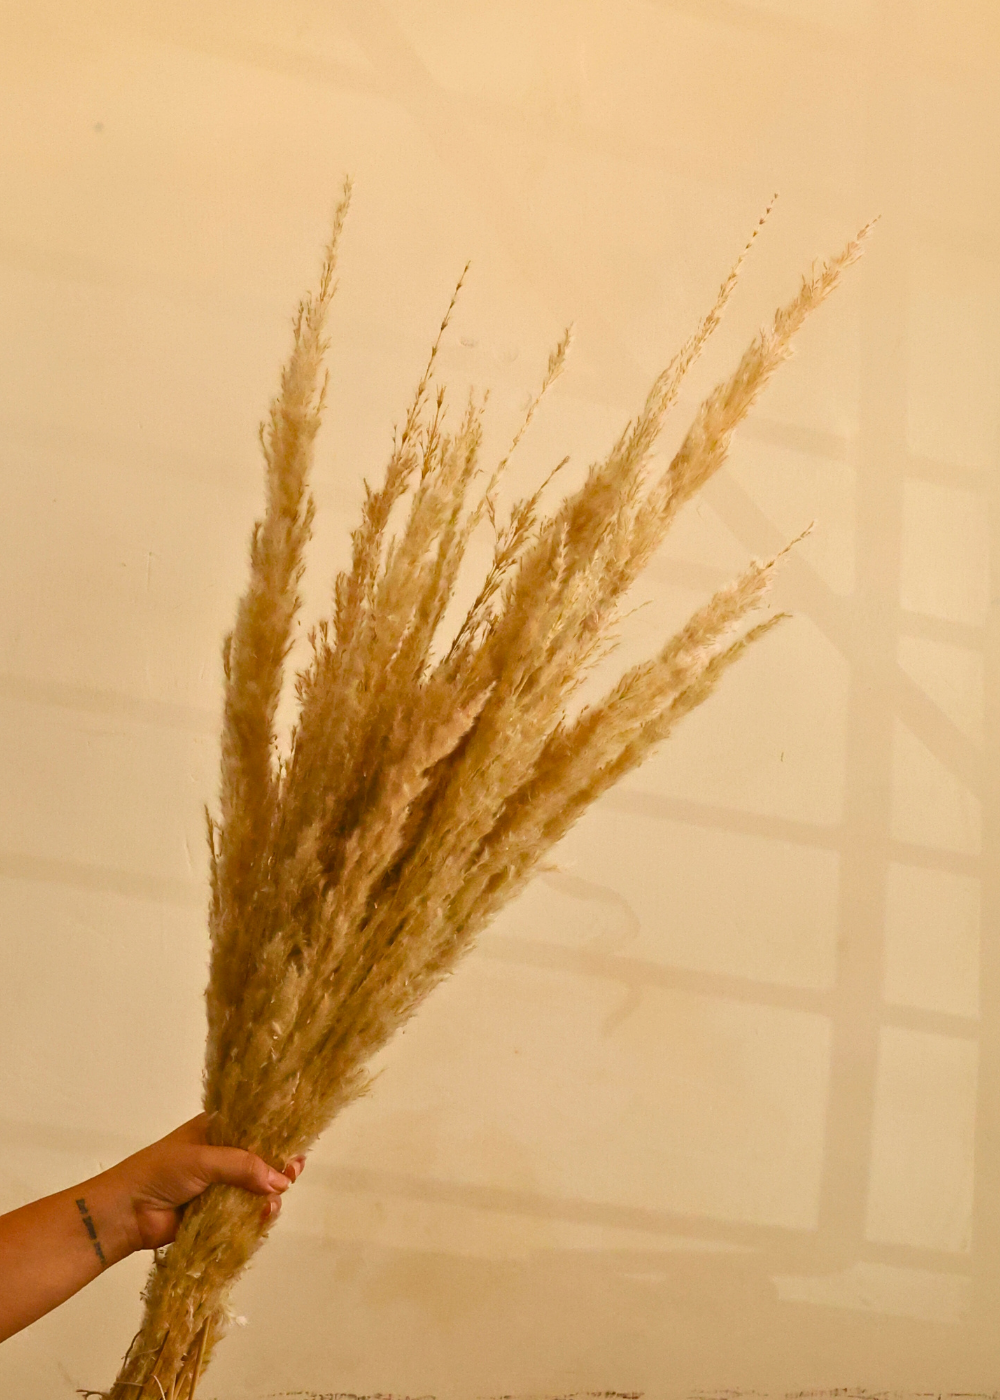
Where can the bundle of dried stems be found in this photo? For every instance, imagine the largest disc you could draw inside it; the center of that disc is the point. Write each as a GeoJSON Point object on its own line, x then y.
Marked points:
{"type": "Point", "coordinates": [421, 786]}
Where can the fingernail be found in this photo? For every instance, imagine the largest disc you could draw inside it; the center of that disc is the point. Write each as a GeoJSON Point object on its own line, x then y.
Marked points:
{"type": "Point", "coordinates": [269, 1210]}
{"type": "Point", "coordinates": [277, 1182]}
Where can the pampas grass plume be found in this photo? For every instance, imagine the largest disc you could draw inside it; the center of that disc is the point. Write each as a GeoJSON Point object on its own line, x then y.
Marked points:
{"type": "Point", "coordinates": [423, 783]}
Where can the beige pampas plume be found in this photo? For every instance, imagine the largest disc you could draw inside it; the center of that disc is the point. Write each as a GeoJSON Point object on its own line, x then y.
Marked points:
{"type": "Point", "coordinates": [425, 780]}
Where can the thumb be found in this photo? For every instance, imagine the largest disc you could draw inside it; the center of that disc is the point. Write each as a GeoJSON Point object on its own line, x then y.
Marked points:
{"type": "Point", "coordinates": [237, 1167]}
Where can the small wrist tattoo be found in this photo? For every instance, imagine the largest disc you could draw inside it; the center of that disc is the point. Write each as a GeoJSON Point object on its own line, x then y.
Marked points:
{"type": "Point", "coordinates": [81, 1206]}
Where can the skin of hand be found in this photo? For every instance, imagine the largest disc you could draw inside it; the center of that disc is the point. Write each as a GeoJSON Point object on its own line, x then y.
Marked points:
{"type": "Point", "coordinates": [50, 1248]}
{"type": "Point", "coordinates": [163, 1177]}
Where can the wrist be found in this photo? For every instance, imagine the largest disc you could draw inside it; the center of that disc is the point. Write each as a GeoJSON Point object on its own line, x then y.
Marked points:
{"type": "Point", "coordinates": [107, 1215]}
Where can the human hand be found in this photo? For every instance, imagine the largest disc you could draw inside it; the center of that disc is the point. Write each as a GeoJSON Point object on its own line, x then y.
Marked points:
{"type": "Point", "coordinates": [50, 1248]}
{"type": "Point", "coordinates": [161, 1179]}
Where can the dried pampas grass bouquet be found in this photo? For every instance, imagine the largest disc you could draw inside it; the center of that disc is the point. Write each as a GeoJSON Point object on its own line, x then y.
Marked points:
{"type": "Point", "coordinates": [426, 777]}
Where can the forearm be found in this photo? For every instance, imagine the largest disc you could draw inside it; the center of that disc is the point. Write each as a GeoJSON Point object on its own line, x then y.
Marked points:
{"type": "Point", "coordinates": [53, 1247]}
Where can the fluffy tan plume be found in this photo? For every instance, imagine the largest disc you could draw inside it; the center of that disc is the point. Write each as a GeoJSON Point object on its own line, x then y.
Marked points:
{"type": "Point", "coordinates": [426, 777]}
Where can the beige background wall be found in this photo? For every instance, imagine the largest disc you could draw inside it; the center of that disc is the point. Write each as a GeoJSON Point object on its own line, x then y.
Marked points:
{"type": "Point", "coordinates": [717, 1104]}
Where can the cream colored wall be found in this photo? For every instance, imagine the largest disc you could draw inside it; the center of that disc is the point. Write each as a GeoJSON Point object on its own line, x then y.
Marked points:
{"type": "Point", "coordinates": [717, 1104]}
